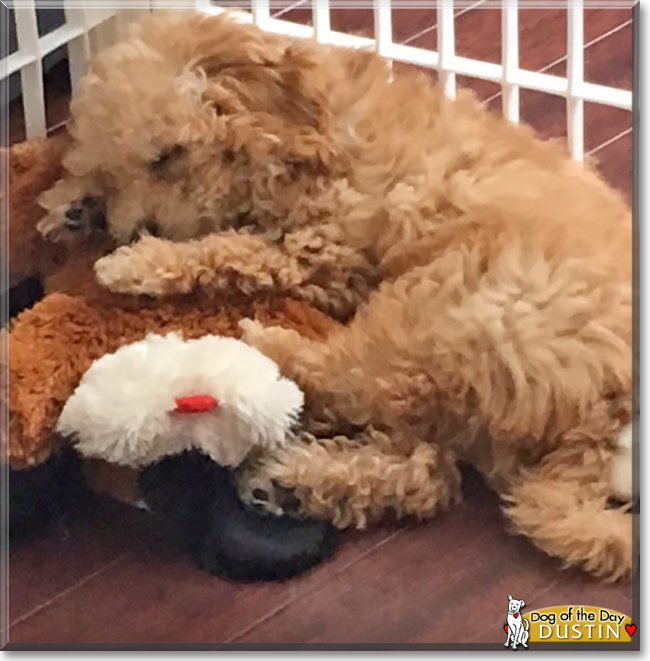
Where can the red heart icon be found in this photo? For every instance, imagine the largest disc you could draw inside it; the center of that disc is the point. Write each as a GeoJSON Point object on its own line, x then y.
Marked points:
{"type": "Point", "coordinates": [630, 628]}
{"type": "Point", "coordinates": [516, 614]}
{"type": "Point", "coordinates": [505, 628]}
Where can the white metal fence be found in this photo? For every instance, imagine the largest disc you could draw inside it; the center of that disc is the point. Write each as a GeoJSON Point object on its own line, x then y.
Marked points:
{"type": "Point", "coordinates": [90, 25]}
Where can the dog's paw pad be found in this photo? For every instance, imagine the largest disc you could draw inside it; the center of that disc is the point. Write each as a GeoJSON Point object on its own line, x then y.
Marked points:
{"type": "Point", "coordinates": [259, 492]}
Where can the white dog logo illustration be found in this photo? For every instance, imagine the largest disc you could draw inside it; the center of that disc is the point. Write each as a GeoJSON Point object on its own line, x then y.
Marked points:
{"type": "Point", "coordinates": [517, 627]}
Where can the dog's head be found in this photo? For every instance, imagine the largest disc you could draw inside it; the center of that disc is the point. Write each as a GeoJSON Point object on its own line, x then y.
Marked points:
{"type": "Point", "coordinates": [515, 605]}
{"type": "Point", "coordinates": [189, 119]}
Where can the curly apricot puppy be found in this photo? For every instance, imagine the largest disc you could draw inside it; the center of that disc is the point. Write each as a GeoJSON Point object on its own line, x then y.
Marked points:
{"type": "Point", "coordinates": [487, 277]}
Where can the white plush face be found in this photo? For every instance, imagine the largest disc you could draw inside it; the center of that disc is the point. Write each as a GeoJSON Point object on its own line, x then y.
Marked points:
{"type": "Point", "coordinates": [128, 408]}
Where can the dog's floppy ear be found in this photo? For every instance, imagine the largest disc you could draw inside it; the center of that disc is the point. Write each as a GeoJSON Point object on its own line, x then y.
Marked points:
{"type": "Point", "coordinates": [271, 100]}
{"type": "Point", "coordinates": [509, 597]}
{"type": "Point", "coordinates": [268, 90]}
{"type": "Point", "coordinates": [271, 108]}
{"type": "Point", "coordinates": [522, 603]}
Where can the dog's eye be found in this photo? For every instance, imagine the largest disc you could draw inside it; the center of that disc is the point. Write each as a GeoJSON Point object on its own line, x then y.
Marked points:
{"type": "Point", "coordinates": [165, 157]}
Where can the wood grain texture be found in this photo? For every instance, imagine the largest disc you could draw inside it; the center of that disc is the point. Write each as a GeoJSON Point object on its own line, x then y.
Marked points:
{"type": "Point", "coordinates": [154, 595]}
{"type": "Point", "coordinates": [73, 550]}
{"type": "Point", "coordinates": [420, 586]}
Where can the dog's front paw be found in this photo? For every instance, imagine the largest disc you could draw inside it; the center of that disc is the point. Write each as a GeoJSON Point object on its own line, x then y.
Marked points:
{"type": "Point", "coordinates": [117, 273]}
{"type": "Point", "coordinates": [144, 268]}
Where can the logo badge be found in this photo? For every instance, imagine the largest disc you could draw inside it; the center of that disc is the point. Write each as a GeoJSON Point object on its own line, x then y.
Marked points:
{"type": "Point", "coordinates": [565, 624]}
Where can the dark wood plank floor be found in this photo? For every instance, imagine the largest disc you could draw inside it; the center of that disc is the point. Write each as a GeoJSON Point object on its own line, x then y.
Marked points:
{"type": "Point", "coordinates": [105, 577]}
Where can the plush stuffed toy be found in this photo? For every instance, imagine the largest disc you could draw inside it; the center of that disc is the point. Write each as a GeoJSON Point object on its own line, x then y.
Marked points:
{"type": "Point", "coordinates": [79, 332]}
{"type": "Point", "coordinates": [211, 398]}
{"type": "Point", "coordinates": [165, 395]}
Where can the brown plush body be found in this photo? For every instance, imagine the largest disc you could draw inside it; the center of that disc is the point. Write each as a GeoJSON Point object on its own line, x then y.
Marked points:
{"type": "Point", "coordinates": [53, 344]}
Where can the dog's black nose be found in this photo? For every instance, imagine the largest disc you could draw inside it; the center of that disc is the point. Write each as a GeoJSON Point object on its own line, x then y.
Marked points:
{"type": "Point", "coordinates": [98, 219]}
{"type": "Point", "coordinates": [74, 217]}
{"type": "Point", "coordinates": [74, 213]}
{"type": "Point", "coordinates": [89, 213]}
{"type": "Point", "coordinates": [96, 209]}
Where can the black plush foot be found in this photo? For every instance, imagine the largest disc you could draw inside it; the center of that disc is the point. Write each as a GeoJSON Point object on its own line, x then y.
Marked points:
{"type": "Point", "coordinates": [197, 503]}
{"type": "Point", "coordinates": [40, 495]}
{"type": "Point", "coordinates": [249, 545]}
{"type": "Point", "coordinates": [24, 295]}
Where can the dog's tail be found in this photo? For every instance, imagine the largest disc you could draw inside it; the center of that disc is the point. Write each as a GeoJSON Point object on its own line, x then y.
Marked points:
{"type": "Point", "coordinates": [525, 622]}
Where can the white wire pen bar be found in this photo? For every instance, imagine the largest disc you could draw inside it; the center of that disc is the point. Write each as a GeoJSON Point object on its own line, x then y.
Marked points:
{"type": "Point", "coordinates": [84, 18]}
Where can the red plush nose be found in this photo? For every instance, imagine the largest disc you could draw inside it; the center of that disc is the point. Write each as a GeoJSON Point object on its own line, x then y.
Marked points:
{"type": "Point", "coordinates": [195, 404]}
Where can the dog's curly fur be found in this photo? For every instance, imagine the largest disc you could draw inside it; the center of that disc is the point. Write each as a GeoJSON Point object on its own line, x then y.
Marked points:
{"type": "Point", "coordinates": [487, 276]}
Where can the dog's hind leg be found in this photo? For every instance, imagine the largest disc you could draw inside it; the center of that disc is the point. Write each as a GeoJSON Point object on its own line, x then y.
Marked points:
{"type": "Point", "coordinates": [538, 354]}
{"type": "Point", "coordinates": [562, 506]}
{"type": "Point", "coordinates": [353, 482]}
